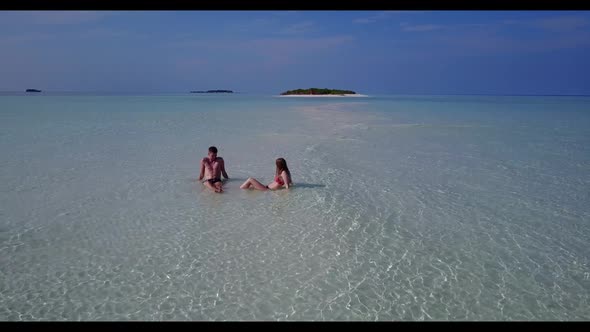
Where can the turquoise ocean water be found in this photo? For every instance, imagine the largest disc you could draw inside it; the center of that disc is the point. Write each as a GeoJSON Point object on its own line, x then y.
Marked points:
{"type": "Point", "coordinates": [404, 208]}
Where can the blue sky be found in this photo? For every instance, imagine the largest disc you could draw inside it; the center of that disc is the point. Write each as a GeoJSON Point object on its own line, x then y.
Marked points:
{"type": "Point", "coordinates": [374, 52]}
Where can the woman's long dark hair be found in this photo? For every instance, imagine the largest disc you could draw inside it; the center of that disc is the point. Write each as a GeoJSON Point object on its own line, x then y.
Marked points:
{"type": "Point", "coordinates": [282, 166]}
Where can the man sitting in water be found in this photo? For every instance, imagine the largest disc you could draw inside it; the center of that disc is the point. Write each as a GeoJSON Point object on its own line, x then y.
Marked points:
{"type": "Point", "coordinates": [212, 167]}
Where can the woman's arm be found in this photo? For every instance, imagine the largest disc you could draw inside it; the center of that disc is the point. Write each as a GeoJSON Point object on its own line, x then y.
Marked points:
{"type": "Point", "coordinates": [285, 179]}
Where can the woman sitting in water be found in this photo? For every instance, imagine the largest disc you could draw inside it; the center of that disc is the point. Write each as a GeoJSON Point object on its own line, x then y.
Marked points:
{"type": "Point", "coordinates": [282, 179]}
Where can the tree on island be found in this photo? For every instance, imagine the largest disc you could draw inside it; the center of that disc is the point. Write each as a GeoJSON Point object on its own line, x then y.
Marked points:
{"type": "Point", "coordinates": [213, 91]}
{"type": "Point", "coordinates": [316, 91]}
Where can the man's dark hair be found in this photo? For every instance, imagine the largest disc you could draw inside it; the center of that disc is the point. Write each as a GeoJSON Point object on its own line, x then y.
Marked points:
{"type": "Point", "coordinates": [213, 149]}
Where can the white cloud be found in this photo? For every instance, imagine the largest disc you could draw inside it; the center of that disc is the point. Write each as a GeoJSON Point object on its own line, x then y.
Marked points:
{"type": "Point", "coordinates": [374, 18]}
{"type": "Point", "coordinates": [555, 24]}
{"type": "Point", "coordinates": [492, 42]}
{"type": "Point", "coordinates": [298, 28]}
{"type": "Point", "coordinates": [420, 28]}
{"type": "Point", "coordinates": [272, 52]}
{"type": "Point", "coordinates": [52, 17]}
{"type": "Point", "coordinates": [562, 23]}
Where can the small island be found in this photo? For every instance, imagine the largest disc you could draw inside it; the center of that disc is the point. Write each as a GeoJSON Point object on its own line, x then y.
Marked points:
{"type": "Point", "coordinates": [213, 91]}
{"type": "Point", "coordinates": [320, 92]}
{"type": "Point", "coordinates": [32, 90]}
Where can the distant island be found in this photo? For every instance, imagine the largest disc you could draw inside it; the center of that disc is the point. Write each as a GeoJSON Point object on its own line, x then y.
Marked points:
{"type": "Point", "coordinates": [32, 90]}
{"type": "Point", "coordinates": [213, 91]}
{"type": "Point", "coordinates": [316, 91]}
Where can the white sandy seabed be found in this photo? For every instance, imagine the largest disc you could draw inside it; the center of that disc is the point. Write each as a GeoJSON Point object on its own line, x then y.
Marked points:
{"type": "Point", "coordinates": [404, 208]}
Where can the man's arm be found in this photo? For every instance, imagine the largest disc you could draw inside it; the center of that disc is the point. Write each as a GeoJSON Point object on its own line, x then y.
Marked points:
{"type": "Point", "coordinates": [202, 174]}
{"type": "Point", "coordinates": [223, 169]}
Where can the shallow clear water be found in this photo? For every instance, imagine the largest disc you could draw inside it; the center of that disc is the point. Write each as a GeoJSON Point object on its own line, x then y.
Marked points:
{"type": "Point", "coordinates": [404, 208]}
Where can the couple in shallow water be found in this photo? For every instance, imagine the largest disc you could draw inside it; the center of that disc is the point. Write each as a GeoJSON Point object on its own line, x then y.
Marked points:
{"type": "Point", "coordinates": [212, 167]}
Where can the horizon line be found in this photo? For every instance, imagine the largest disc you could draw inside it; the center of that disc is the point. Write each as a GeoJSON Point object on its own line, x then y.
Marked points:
{"type": "Point", "coordinates": [265, 93]}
